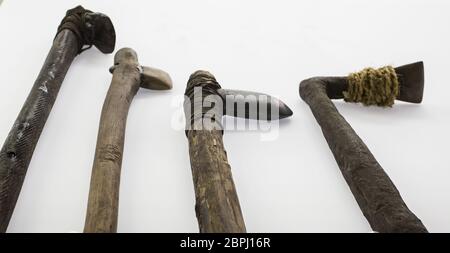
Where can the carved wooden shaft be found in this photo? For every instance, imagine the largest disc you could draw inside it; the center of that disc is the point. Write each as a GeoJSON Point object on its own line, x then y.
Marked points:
{"type": "Point", "coordinates": [377, 196]}
{"type": "Point", "coordinates": [103, 203]}
{"type": "Point", "coordinates": [217, 204]}
{"type": "Point", "coordinates": [78, 28]}
{"type": "Point", "coordinates": [128, 77]}
{"type": "Point", "coordinates": [19, 146]}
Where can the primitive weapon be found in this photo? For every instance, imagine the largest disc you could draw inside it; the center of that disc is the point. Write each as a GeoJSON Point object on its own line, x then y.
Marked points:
{"type": "Point", "coordinates": [128, 76]}
{"type": "Point", "coordinates": [372, 188]}
{"type": "Point", "coordinates": [80, 27]}
{"type": "Point", "coordinates": [217, 205]}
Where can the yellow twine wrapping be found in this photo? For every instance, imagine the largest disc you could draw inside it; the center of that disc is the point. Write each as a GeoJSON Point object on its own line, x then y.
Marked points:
{"type": "Point", "coordinates": [373, 87]}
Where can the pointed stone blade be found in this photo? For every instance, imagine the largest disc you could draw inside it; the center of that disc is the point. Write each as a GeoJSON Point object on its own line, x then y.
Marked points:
{"type": "Point", "coordinates": [253, 105]}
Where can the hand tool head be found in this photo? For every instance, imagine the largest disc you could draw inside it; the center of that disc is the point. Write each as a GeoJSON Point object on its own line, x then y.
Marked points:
{"type": "Point", "coordinates": [155, 79]}
{"type": "Point", "coordinates": [90, 28]}
{"type": "Point", "coordinates": [254, 105]}
{"type": "Point", "coordinates": [384, 85]}
{"type": "Point", "coordinates": [102, 29]}
{"type": "Point", "coordinates": [151, 78]}
{"type": "Point", "coordinates": [411, 78]}
{"type": "Point", "coordinates": [238, 103]}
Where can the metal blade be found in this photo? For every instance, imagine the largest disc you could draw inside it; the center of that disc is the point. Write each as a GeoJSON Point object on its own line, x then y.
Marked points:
{"type": "Point", "coordinates": [253, 105]}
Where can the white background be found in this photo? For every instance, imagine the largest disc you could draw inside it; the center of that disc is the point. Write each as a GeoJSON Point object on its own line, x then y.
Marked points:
{"type": "Point", "coordinates": [292, 184]}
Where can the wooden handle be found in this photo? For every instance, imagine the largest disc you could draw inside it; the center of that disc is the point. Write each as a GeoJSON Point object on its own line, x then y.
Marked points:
{"type": "Point", "coordinates": [103, 200]}
{"type": "Point", "coordinates": [217, 204]}
{"type": "Point", "coordinates": [16, 154]}
{"type": "Point", "coordinates": [376, 194]}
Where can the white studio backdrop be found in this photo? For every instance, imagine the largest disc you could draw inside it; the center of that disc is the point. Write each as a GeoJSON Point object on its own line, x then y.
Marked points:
{"type": "Point", "coordinates": [291, 184]}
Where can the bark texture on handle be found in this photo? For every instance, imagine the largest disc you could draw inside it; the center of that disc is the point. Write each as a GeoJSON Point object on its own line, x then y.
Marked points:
{"type": "Point", "coordinates": [102, 210]}
{"type": "Point", "coordinates": [78, 28]}
{"type": "Point", "coordinates": [217, 204]}
{"type": "Point", "coordinates": [377, 196]}
{"type": "Point", "coordinates": [19, 146]}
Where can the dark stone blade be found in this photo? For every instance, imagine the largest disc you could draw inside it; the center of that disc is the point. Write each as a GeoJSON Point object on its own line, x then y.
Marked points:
{"type": "Point", "coordinates": [253, 105]}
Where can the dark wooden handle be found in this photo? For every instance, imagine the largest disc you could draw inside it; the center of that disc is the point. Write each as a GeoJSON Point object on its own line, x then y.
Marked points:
{"type": "Point", "coordinates": [19, 146]}
{"type": "Point", "coordinates": [377, 196]}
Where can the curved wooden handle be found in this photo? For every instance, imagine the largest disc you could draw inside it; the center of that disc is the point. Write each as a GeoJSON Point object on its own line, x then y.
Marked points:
{"type": "Point", "coordinates": [376, 194]}
{"type": "Point", "coordinates": [102, 211]}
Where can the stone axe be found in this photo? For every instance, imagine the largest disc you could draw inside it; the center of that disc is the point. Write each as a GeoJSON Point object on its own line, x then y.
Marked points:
{"type": "Point", "coordinates": [79, 28]}
{"type": "Point", "coordinates": [217, 205]}
{"type": "Point", "coordinates": [377, 196]}
{"type": "Point", "coordinates": [128, 77]}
